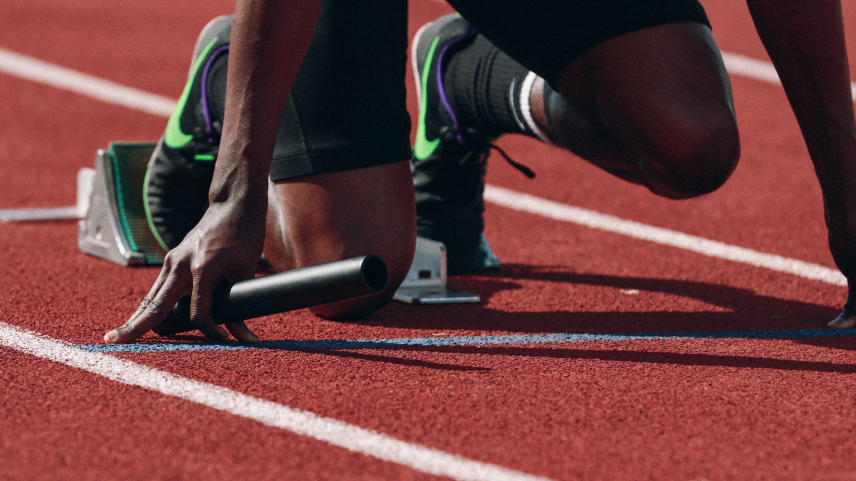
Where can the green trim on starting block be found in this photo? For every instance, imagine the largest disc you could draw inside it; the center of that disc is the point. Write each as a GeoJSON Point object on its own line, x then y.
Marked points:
{"type": "Point", "coordinates": [130, 161]}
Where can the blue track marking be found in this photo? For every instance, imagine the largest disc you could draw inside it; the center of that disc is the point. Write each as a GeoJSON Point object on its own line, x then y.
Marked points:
{"type": "Point", "coordinates": [466, 341]}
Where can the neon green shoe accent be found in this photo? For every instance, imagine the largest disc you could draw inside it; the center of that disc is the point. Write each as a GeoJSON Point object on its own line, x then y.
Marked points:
{"type": "Point", "coordinates": [424, 147]}
{"type": "Point", "coordinates": [174, 138]}
{"type": "Point", "coordinates": [465, 158]}
{"type": "Point", "coordinates": [149, 212]}
{"type": "Point", "coordinates": [205, 157]}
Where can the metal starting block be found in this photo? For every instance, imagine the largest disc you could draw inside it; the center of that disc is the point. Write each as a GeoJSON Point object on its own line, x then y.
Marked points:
{"type": "Point", "coordinates": [115, 228]}
{"type": "Point", "coordinates": [71, 212]}
{"type": "Point", "coordinates": [426, 281]}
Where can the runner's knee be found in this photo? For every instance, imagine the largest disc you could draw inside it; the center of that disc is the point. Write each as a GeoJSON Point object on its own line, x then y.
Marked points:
{"type": "Point", "coordinates": [694, 160]}
{"type": "Point", "coordinates": [398, 263]}
{"type": "Point", "coordinates": [339, 215]}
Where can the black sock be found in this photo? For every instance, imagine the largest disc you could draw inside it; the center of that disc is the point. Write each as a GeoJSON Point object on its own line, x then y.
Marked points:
{"type": "Point", "coordinates": [484, 85]}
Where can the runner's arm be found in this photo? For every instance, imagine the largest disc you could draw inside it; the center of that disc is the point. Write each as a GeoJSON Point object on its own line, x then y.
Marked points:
{"type": "Point", "coordinates": [268, 42]}
{"type": "Point", "coordinates": [805, 41]}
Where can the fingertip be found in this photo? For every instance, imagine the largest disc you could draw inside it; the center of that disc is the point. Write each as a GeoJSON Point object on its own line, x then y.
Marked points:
{"type": "Point", "coordinates": [842, 323]}
{"type": "Point", "coordinates": [217, 333]}
{"type": "Point", "coordinates": [246, 337]}
{"type": "Point", "coordinates": [845, 320]}
{"type": "Point", "coordinates": [242, 333]}
{"type": "Point", "coordinates": [222, 334]}
{"type": "Point", "coordinates": [111, 337]}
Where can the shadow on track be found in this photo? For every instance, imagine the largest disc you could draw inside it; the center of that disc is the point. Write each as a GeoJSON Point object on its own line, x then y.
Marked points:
{"type": "Point", "coordinates": [645, 357]}
{"type": "Point", "coordinates": [734, 308]}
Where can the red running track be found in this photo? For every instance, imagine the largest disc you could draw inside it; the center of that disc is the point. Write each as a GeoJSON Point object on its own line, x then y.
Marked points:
{"type": "Point", "coordinates": [642, 409]}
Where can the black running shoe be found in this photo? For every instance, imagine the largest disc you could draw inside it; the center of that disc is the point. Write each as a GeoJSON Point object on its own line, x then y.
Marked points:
{"type": "Point", "coordinates": [182, 165]}
{"type": "Point", "coordinates": [449, 169]}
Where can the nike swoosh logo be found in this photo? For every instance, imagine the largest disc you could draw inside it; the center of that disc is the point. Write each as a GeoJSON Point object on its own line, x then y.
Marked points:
{"type": "Point", "coordinates": [174, 138]}
{"type": "Point", "coordinates": [423, 147]}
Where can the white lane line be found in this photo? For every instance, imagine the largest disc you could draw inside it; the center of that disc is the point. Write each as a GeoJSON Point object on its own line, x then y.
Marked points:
{"type": "Point", "coordinates": [750, 67]}
{"type": "Point", "coordinates": [37, 214]}
{"type": "Point", "coordinates": [64, 78]}
{"type": "Point", "coordinates": [759, 70]}
{"type": "Point", "coordinates": [40, 71]}
{"type": "Point", "coordinates": [304, 423]}
{"type": "Point", "coordinates": [554, 210]}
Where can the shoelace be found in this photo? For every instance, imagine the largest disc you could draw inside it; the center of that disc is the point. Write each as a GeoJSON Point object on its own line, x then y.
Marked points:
{"type": "Point", "coordinates": [483, 148]}
{"type": "Point", "coordinates": [459, 133]}
{"type": "Point", "coordinates": [517, 165]}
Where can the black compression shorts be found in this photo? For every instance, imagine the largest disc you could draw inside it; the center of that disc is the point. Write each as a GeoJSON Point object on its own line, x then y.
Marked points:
{"type": "Point", "coordinates": [347, 106]}
{"type": "Point", "coordinates": [547, 35]}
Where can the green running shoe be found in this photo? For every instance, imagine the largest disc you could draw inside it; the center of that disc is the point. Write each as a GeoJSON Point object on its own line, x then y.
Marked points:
{"type": "Point", "coordinates": [449, 159]}
{"type": "Point", "coordinates": [180, 170]}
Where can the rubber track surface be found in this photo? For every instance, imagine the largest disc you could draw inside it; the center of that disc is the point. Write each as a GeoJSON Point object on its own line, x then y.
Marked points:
{"type": "Point", "coordinates": [688, 408]}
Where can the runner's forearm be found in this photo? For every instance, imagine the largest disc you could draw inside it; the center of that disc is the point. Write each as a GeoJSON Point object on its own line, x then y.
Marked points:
{"type": "Point", "coordinates": [269, 40]}
{"type": "Point", "coordinates": [805, 40]}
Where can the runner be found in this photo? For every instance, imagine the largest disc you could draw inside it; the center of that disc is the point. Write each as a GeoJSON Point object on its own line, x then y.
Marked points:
{"type": "Point", "coordinates": [637, 88]}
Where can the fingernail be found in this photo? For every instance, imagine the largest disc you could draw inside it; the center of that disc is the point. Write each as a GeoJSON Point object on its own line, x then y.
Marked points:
{"type": "Point", "coordinates": [111, 336]}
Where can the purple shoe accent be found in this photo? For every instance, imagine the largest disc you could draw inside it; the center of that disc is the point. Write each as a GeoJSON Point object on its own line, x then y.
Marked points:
{"type": "Point", "coordinates": [441, 86]}
{"type": "Point", "coordinates": [205, 109]}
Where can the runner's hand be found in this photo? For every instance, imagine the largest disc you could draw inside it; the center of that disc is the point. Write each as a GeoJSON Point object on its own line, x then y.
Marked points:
{"type": "Point", "coordinates": [846, 319]}
{"type": "Point", "coordinates": [842, 243]}
{"type": "Point", "coordinates": [226, 245]}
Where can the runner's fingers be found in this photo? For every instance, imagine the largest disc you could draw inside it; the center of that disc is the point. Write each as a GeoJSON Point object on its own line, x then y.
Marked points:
{"type": "Point", "coordinates": [146, 318]}
{"type": "Point", "coordinates": [167, 279]}
{"type": "Point", "coordinates": [241, 332]}
{"type": "Point", "coordinates": [200, 308]}
{"type": "Point", "coordinates": [154, 308]}
{"type": "Point", "coordinates": [213, 331]}
{"type": "Point", "coordinates": [845, 320]}
{"type": "Point", "coordinates": [165, 273]}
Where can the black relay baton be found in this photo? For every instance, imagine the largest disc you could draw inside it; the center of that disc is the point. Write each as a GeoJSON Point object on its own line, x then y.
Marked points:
{"type": "Point", "coordinates": [286, 291]}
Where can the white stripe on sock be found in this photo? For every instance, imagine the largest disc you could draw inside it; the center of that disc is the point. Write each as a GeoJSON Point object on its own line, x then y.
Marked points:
{"type": "Point", "coordinates": [525, 108]}
{"type": "Point", "coordinates": [513, 109]}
